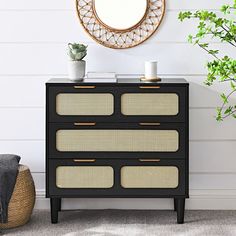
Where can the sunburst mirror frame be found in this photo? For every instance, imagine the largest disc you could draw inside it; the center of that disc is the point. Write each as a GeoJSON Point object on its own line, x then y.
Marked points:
{"type": "Point", "coordinates": [116, 38]}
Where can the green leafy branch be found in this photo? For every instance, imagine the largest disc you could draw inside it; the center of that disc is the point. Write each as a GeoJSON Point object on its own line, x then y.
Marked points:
{"type": "Point", "coordinates": [222, 69]}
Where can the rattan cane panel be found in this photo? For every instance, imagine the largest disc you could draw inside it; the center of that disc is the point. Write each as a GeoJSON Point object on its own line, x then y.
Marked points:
{"type": "Point", "coordinates": [150, 104]}
{"type": "Point", "coordinates": [84, 177]}
{"type": "Point", "coordinates": [149, 177]}
{"type": "Point", "coordinates": [117, 140]}
{"type": "Point", "coordinates": [85, 104]}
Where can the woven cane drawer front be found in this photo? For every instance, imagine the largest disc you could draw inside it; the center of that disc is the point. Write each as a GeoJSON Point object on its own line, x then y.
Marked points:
{"type": "Point", "coordinates": [149, 177]}
{"type": "Point", "coordinates": [84, 177]}
{"type": "Point", "coordinates": [157, 104]}
{"type": "Point", "coordinates": [117, 140]}
{"type": "Point", "coordinates": [82, 104]}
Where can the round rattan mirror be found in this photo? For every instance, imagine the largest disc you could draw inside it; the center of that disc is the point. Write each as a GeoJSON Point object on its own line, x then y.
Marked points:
{"type": "Point", "coordinates": [120, 23]}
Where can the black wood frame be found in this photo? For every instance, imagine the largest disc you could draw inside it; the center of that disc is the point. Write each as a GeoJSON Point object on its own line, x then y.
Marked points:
{"type": "Point", "coordinates": [181, 160]}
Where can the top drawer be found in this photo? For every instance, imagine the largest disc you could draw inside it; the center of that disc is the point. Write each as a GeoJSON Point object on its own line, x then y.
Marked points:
{"type": "Point", "coordinates": [91, 103]}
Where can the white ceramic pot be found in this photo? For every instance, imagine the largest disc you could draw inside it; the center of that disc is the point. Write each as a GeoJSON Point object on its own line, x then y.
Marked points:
{"type": "Point", "coordinates": [76, 70]}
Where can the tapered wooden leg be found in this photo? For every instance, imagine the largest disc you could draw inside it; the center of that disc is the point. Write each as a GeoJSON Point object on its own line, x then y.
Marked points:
{"type": "Point", "coordinates": [175, 207]}
{"type": "Point", "coordinates": [59, 204]}
{"type": "Point", "coordinates": [54, 210]}
{"type": "Point", "coordinates": [180, 207]}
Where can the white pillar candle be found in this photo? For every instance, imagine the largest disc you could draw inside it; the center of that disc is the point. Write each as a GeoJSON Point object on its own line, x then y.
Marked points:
{"type": "Point", "coordinates": [150, 69]}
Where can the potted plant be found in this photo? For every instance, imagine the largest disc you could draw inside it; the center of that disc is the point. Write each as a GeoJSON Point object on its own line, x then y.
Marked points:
{"type": "Point", "coordinates": [221, 68]}
{"type": "Point", "coordinates": [76, 65]}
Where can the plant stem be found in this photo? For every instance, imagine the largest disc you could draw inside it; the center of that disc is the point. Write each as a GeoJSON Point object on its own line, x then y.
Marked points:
{"type": "Point", "coordinates": [223, 105]}
{"type": "Point", "coordinates": [230, 114]}
{"type": "Point", "coordinates": [230, 79]}
{"type": "Point", "coordinates": [208, 51]}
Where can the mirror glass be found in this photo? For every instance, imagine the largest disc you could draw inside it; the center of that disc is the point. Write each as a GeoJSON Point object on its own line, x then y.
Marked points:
{"type": "Point", "coordinates": [120, 14]}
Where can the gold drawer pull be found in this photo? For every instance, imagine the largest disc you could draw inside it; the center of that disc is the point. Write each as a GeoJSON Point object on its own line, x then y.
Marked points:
{"type": "Point", "coordinates": [85, 87]}
{"type": "Point", "coordinates": [150, 160]}
{"type": "Point", "coordinates": [85, 124]}
{"type": "Point", "coordinates": [149, 87]}
{"type": "Point", "coordinates": [84, 160]}
{"type": "Point", "coordinates": [150, 123]}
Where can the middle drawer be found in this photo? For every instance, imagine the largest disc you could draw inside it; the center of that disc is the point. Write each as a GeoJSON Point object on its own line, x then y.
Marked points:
{"type": "Point", "coordinates": [117, 140]}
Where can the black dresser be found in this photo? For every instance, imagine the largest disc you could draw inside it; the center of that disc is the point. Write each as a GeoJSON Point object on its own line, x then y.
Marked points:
{"type": "Point", "coordinates": [127, 139]}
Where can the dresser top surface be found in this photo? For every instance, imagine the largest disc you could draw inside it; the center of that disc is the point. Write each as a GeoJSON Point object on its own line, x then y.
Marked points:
{"type": "Point", "coordinates": [120, 81]}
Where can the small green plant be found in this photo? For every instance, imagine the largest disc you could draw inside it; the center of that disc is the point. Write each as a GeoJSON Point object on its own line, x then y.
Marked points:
{"type": "Point", "coordinates": [221, 68]}
{"type": "Point", "coordinates": [76, 51]}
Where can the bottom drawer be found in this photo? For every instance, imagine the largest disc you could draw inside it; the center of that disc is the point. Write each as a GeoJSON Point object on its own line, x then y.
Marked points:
{"type": "Point", "coordinates": [116, 178]}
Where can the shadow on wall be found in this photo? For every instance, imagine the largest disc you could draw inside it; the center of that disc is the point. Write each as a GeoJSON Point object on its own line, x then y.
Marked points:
{"type": "Point", "coordinates": [202, 96]}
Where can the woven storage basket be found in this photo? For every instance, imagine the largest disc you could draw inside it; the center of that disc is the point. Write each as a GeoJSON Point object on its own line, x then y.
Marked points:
{"type": "Point", "coordinates": [22, 200]}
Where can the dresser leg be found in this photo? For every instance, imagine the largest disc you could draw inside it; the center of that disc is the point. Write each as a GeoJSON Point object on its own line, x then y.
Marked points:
{"type": "Point", "coordinates": [59, 204]}
{"type": "Point", "coordinates": [175, 203]}
{"type": "Point", "coordinates": [54, 202]}
{"type": "Point", "coordinates": [180, 207]}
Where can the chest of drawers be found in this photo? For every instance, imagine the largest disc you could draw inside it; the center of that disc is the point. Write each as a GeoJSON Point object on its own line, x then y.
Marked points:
{"type": "Point", "coordinates": [124, 139]}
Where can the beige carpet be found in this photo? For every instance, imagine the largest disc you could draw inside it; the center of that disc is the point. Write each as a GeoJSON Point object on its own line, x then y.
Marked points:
{"type": "Point", "coordinates": [129, 223]}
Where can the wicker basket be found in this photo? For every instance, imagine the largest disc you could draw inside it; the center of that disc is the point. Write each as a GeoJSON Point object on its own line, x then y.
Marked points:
{"type": "Point", "coordinates": [22, 200]}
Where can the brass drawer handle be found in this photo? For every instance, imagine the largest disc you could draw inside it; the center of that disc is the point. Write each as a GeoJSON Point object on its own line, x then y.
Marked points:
{"type": "Point", "coordinates": [85, 87]}
{"type": "Point", "coordinates": [149, 87]}
{"type": "Point", "coordinates": [84, 160]}
{"type": "Point", "coordinates": [150, 123]}
{"type": "Point", "coordinates": [85, 124]}
{"type": "Point", "coordinates": [150, 160]}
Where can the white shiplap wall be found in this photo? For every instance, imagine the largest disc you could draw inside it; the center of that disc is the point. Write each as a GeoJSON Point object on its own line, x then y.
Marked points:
{"type": "Point", "coordinates": [33, 42]}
